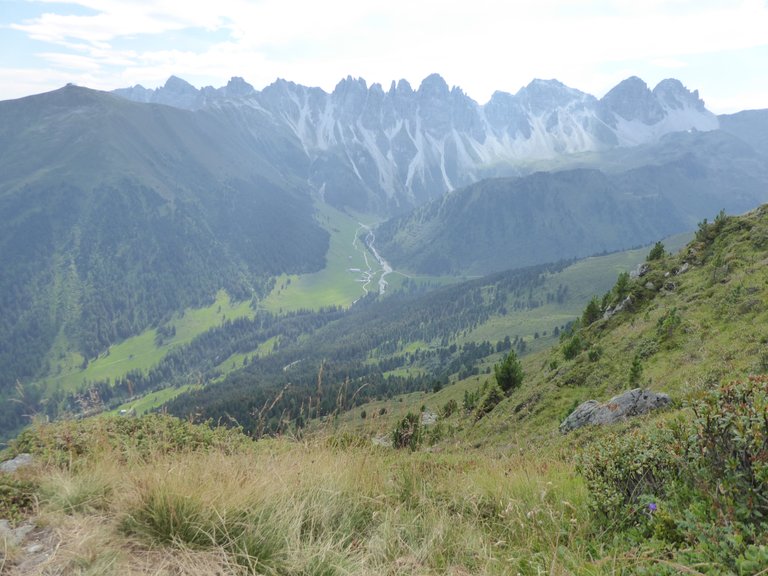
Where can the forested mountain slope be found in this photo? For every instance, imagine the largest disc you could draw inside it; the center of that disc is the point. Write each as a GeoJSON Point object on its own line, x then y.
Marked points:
{"type": "Point", "coordinates": [504, 223]}
{"type": "Point", "coordinates": [116, 214]}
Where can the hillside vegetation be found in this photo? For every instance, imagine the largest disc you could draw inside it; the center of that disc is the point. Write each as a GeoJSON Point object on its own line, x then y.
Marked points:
{"type": "Point", "coordinates": [636, 197]}
{"type": "Point", "coordinates": [487, 489]}
{"type": "Point", "coordinates": [416, 336]}
{"type": "Point", "coordinates": [117, 215]}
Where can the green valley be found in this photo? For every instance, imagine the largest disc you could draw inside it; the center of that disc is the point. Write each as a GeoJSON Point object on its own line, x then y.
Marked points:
{"type": "Point", "coordinates": [482, 489]}
{"type": "Point", "coordinates": [291, 332]}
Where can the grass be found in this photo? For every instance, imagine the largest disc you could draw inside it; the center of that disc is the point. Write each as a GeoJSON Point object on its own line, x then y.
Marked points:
{"type": "Point", "coordinates": [586, 278]}
{"type": "Point", "coordinates": [152, 400]}
{"type": "Point", "coordinates": [340, 282]}
{"type": "Point", "coordinates": [358, 510]}
{"type": "Point", "coordinates": [499, 495]}
{"type": "Point", "coordinates": [141, 352]}
{"type": "Point", "coordinates": [336, 284]}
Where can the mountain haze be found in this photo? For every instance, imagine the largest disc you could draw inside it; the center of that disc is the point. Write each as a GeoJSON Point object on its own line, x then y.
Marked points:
{"type": "Point", "coordinates": [116, 214]}
{"type": "Point", "coordinates": [505, 223]}
{"type": "Point", "coordinates": [389, 150]}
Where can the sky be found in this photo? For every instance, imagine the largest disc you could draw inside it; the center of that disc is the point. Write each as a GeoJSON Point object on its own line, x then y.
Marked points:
{"type": "Point", "coordinates": [719, 47]}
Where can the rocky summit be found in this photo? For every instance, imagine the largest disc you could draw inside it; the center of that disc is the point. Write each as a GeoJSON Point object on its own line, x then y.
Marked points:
{"type": "Point", "coordinates": [393, 149]}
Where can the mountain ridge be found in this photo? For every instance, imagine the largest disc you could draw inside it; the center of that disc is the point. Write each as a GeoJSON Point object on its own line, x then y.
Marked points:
{"type": "Point", "coordinates": [578, 210]}
{"type": "Point", "coordinates": [116, 214]}
{"type": "Point", "coordinates": [393, 150]}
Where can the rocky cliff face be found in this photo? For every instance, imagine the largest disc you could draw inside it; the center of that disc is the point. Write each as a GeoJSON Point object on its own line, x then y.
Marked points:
{"type": "Point", "coordinates": [392, 149]}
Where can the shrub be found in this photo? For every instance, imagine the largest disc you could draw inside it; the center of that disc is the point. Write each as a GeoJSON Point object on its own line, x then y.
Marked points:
{"type": "Point", "coordinates": [491, 399]}
{"type": "Point", "coordinates": [656, 253]}
{"type": "Point", "coordinates": [449, 408]}
{"type": "Point", "coordinates": [407, 433]}
{"type": "Point", "coordinates": [470, 400]}
{"type": "Point", "coordinates": [729, 450]}
{"type": "Point", "coordinates": [706, 478]}
{"type": "Point", "coordinates": [17, 498]}
{"type": "Point", "coordinates": [592, 312]}
{"type": "Point", "coordinates": [621, 468]}
{"type": "Point", "coordinates": [509, 374]}
{"type": "Point", "coordinates": [572, 347]}
{"type": "Point", "coordinates": [621, 288]}
{"type": "Point", "coordinates": [635, 372]}
{"type": "Point", "coordinates": [668, 324]}
{"type": "Point", "coordinates": [66, 442]}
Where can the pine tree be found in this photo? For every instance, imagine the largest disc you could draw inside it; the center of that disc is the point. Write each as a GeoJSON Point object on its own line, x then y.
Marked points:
{"type": "Point", "coordinates": [509, 374]}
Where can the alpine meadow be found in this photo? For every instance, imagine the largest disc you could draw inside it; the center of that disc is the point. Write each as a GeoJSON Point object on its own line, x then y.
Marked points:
{"type": "Point", "coordinates": [382, 331]}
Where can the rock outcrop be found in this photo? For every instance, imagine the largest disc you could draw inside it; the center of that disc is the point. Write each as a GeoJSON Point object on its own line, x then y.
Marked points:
{"type": "Point", "coordinates": [618, 408]}
{"type": "Point", "coordinates": [16, 463]}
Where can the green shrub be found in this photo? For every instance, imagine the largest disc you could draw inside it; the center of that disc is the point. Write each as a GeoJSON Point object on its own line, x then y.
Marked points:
{"type": "Point", "coordinates": [490, 401]}
{"type": "Point", "coordinates": [407, 433]}
{"type": "Point", "coordinates": [635, 372]}
{"type": "Point", "coordinates": [592, 313]}
{"type": "Point", "coordinates": [621, 288]}
{"type": "Point", "coordinates": [706, 477]}
{"type": "Point", "coordinates": [509, 374]}
{"type": "Point", "coordinates": [667, 324]}
{"type": "Point", "coordinates": [471, 398]}
{"type": "Point", "coordinates": [449, 408]}
{"type": "Point", "coordinates": [572, 347]}
{"type": "Point", "coordinates": [18, 498]}
{"type": "Point", "coordinates": [66, 442]}
{"type": "Point", "coordinates": [620, 469]}
{"type": "Point", "coordinates": [656, 253]}
{"type": "Point", "coordinates": [729, 450]}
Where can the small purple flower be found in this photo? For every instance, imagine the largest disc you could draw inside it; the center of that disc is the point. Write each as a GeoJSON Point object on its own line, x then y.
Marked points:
{"type": "Point", "coordinates": [652, 507]}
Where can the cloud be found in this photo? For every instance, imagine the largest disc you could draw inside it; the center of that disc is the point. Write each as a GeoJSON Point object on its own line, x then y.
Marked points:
{"type": "Point", "coordinates": [483, 46]}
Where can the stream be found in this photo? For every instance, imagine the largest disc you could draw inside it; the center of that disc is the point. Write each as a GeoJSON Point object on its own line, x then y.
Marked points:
{"type": "Point", "coordinates": [383, 266]}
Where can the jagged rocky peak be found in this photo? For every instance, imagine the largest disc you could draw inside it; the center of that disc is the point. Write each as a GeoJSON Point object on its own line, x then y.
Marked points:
{"type": "Point", "coordinates": [179, 86]}
{"type": "Point", "coordinates": [402, 89]}
{"type": "Point", "coordinates": [350, 84]}
{"type": "Point", "coordinates": [280, 86]}
{"type": "Point", "coordinates": [350, 95]}
{"type": "Point", "coordinates": [238, 87]}
{"type": "Point", "coordinates": [377, 89]}
{"type": "Point", "coordinates": [547, 95]}
{"type": "Point", "coordinates": [672, 94]}
{"type": "Point", "coordinates": [434, 87]}
{"type": "Point", "coordinates": [406, 144]}
{"type": "Point", "coordinates": [633, 100]}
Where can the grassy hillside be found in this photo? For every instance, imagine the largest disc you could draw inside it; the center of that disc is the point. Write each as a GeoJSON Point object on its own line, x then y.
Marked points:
{"type": "Point", "coordinates": [496, 491]}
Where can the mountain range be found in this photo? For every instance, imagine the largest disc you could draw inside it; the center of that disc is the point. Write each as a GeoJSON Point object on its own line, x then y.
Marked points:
{"type": "Point", "coordinates": [388, 151]}
{"type": "Point", "coordinates": [117, 214]}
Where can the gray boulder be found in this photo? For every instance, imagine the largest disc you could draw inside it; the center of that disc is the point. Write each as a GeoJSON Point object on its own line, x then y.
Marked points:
{"type": "Point", "coordinates": [16, 463]}
{"type": "Point", "coordinates": [618, 408]}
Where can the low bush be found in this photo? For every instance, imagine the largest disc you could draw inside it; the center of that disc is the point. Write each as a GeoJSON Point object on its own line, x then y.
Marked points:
{"type": "Point", "coordinates": [621, 470]}
{"type": "Point", "coordinates": [18, 498]}
{"type": "Point", "coordinates": [696, 486]}
{"type": "Point", "coordinates": [65, 442]}
{"type": "Point", "coordinates": [407, 433]}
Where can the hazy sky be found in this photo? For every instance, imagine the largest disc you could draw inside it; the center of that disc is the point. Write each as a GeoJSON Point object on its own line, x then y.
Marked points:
{"type": "Point", "coordinates": [719, 47]}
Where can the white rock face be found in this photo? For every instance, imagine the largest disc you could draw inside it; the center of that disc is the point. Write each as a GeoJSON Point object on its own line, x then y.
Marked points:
{"type": "Point", "coordinates": [407, 146]}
